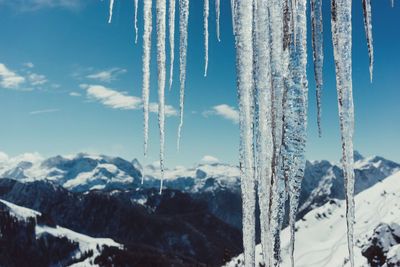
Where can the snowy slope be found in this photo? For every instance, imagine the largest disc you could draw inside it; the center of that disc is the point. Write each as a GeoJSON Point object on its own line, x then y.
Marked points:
{"type": "Point", "coordinates": [86, 243]}
{"type": "Point", "coordinates": [321, 234]}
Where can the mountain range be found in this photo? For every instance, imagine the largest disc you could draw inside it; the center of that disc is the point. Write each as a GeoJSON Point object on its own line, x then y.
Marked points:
{"type": "Point", "coordinates": [197, 219]}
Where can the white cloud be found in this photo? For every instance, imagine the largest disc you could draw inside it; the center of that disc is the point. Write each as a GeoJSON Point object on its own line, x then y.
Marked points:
{"type": "Point", "coordinates": [37, 79]}
{"type": "Point", "coordinates": [37, 112]}
{"type": "Point", "coordinates": [75, 94]}
{"type": "Point", "coordinates": [224, 111]}
{"type": "Point", "coordinates": [28, 65]}
{"type": "Point", "coordinates": [9, 79]}
{"type": "Point", "coordinates": [106, 75]}
{"type": "Point", "coordinates": [209, 159]}
{"type": "Point", "coordinates": [33, 5]}
{"type": "Point", "coordinates": [117, 100]}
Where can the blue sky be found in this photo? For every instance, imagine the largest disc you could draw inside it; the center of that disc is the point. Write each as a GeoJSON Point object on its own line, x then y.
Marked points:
{"type": "Point", "coordinates": [71, 82]}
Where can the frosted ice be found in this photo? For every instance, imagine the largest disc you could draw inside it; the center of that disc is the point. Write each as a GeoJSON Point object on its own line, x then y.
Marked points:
{"type": "Point", "coordinates": [279, 69]}
{"type": "Point", "coordinates": [135, 20]}
{"type": "Point", "coordinates": [368, 32]}
{"type": "Point", "coordinates": [233, 15]}
{"type": "Point", "coordinates": [183, 39]}
{"type": "Point", "coordinates": [318, 54]}
{"type": "Point", "coordinates": [244, 69]}
{"type": "Point", "coordinates": [161, 12]}
{"type": "Point", "coordinates": [171, 23]}
{"type": "Point", "coordinates": [206, 12]}
{"type": "Point", "coordinates": [342, 43]}
{"type": "Point", "coordinates": [147, 17]}
{"type": "Point", "coordinates": [111, 11]}
{"type": "Point", "coordinates": [217, 18]}
{"type": "Point", "coordinates": [264, 130]}
{"type": "Point", "coordinates": [295, 117]}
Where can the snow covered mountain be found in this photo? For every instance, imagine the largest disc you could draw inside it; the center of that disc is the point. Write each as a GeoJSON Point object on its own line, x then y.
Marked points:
{"type": "Point", "coordinates": [218, 184]}
{"type": "Point", "coordinates": [321, 233]}
{"type": "Point", "coordinates": [70, 248]}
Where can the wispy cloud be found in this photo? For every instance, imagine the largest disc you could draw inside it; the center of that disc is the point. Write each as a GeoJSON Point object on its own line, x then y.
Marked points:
{"type": "Point", "coordinates": [118, 100]}
{"type": "Point", "coordinates": [225, 111]}
{"type": "Point", "coordinates": [10, 79]}
{"type": "Point", "coordinates": [209, 159]}
{"type": "Point", "coordinates": [28, 65]}
{"type": "Point", "coordinates": [106, 75]}
{"type": "Point", "coordinates": [38, 112]}
{"type": "Point", "coordinates": [75, 94]}
{"type": "Point", "coordinates": [33, 5]}
{"type": "Point", "coordinates": [37, 79]}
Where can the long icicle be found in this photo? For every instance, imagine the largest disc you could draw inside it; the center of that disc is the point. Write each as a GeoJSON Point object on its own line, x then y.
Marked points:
{"type": "Point", "coordinates": [135, 20]}
{"type": "Point", "coordinates": [295, 117]}
{"type": "Point", "coordinates": [368, 32]}
{"type": "Point", "coordinates": [279, 68]}
{"type": "Point", "coordinates": [342, 44]}
{"type": "Point", "coordinates": [318, 54]}
{"type": "Point", "coordinates": [217, 18]}
{"type": "Point", "coordinates": [264, 130]}
{"type": "Point", "coordinates": [206, 12]}
{"type": "Point", "coordinates": [161, 11]}
{"type": "Point", "coordinates": [183, 40]}
{"type": "Point", "coordinates": [244, 68]}
{"type": "Point", "coordinates": [111, 11]}
{"type": "Point", "coordinates": [171, 23]}
{"type": "Point", "coordinates": [147, 15]}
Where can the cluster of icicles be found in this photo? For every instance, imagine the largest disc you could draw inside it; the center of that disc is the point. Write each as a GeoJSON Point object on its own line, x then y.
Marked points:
{"type": "Point", "coordinates": [271, 59]}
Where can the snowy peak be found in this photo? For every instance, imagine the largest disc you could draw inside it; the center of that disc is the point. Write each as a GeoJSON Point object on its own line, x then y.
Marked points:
{"type": "Point", "coordinates": [376, 231]}
{"type": "Point", "coordinates": [82, 172]}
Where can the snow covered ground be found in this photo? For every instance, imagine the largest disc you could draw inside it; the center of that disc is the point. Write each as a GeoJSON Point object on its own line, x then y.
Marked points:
{"type": "Point", "coordinates": [86, 243]}
{"type": "Point", "coordinates": [321, 235]}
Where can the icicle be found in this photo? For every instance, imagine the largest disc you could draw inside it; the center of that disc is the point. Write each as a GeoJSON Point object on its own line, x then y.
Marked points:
{"type": "Point", "coordinates": [264, 129]}
{"type": "Point", "coordinates": [217, 15]}
{"type": "Point", "coordinates": [183, 36]}
{"type": "Point", "coordinates": [161, 6]}
{"type": "Point", "coordinates": [147, 15]}
{"type": "Point", "coordinates": [244, 68]}
{"type": "Point", "coordinates": [342, 43]}
{"type": "Point", "coordinates": [295, 117]}
{"type": "Point", "coordinates": [233, 15]}
{"type": "Point", "coordinates": [279, 69]}
{"type": "Point", "coordinates": [135, 20]}
{"type": "Point", "coordinates": [111, 11]}
{"type": "Point", "coordinates": [318, 54]}
{"type": "Point", "coordinates": [368, 32]}
{"type": "Point", "coordinates": [171, 23]}
{"type": "Point", "coordinates": [392, 3]}
{"type": "Point", "coordinates": [205, 14]}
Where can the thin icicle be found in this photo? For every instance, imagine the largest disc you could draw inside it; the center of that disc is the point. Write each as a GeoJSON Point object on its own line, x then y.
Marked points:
{"type": "Point", "coordinates": [161, 10]}
{"type": "Point", "coordinates": [392, 3]}
{"type": "Point", "coordinates": [318, 54]}
{"type": "Point", "coordinates": [111, 11]}
{"type": "Point", "coordinates": [264, 127]}
{"type": "Point", "coordinates": [217, 15]}
{"type": "Point", "coordinates": [342, 44]}
{"type": "Point", "coordinates": [206, 12]}
{"type": "Point", "coordinates": [295, 118]}
{"type": "Point", "coordinates": [171, 23]}
{"type": "Point", "coordinates": [183, 39]}
{"type": "Point", "coordinates": [135, 20]}
{"type": "Point", "coordinates": [147, 15]}
{"type": "Point", "coordinates": [368, 32]}
{"type": "Point", "coordinates": [233, 15]}
{"type": "Point", "coordinates": [244, 68]}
